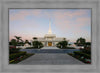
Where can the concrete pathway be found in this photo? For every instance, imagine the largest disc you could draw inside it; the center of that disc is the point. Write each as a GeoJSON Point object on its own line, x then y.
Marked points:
{"type": "Point", "coordinates": [49, 48]}
{"type": "Point", "coordinates": [50, 59]}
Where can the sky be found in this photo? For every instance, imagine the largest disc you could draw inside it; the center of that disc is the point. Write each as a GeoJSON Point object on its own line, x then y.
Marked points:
{"type": "Point", "coordinates": [69, 23]}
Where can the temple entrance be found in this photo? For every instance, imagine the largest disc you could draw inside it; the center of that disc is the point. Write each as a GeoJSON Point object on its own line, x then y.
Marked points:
{"type": "Point", "coordinates": [49, 43]}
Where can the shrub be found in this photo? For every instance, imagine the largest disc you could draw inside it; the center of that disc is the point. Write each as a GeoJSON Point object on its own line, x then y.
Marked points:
{"type": "Point", "coordinates": [16, 60]}
{"type": "Point", "coordinates": [87, 51]}
{"type": "Point", "coordinates": [77, 53]}
{"type": "Point", "coordinates": [14, 50]}
{"type": "Point", "coordinates": [37, 44]}
{"type": "Point", "coordinates": [62, 44]}
{"type": "Point", "coordinates": [32, 48]}
{"type": "Point", "coordinates": [70, 48]}
{"type": "Point", "coordinates": [29, 48]}
{"type": "Point", "coordinates": [16, 55]}
{"type": "Point", "coordinates": [87, 56]}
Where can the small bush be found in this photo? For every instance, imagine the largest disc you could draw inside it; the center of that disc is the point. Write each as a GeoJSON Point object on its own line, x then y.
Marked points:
{"type": "Point", "coordinates": [14, 50]}
{"type": "Point", "coordinates": [16, 60]}
{"type": "Point", "coordinates": [29, 48]}
{"type": "Point", "coordinates": [70, 48]}
{"type": "Point", "coordinates": [87, 51]}
{"type": "Point", "coordinates": [37, 44]}
{"type": "Point", "coordinates": [62, 44]}
{"type": "Point", "coordinates": [77, 53]}
{"type": "Point", "coordinates": [16, 55]}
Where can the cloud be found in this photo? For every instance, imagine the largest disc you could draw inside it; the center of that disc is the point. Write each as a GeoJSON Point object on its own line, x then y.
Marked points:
{"type": "Point", "coordinates": [36, 12]}
{"type": "Point", "coordinates": [76, 20]}
{"type": "Point", "coordinates": [22, 14]}
{"type": "Point", "coordinates": [19, 16]}
{"type": "Point", "coordinates": [72, 22]}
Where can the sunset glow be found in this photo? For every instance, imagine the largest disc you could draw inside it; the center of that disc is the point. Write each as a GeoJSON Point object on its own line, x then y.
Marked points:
{"type": "Point", "coordinates": [69, 23]}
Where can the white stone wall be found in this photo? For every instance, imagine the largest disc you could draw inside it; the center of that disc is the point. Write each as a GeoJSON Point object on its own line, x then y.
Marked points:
{"type": "Point", "coordinates": [48, 38]}
{"type": "Point", "coordinates": [56, 43]}
{"type": "Point", "coordinates": [43, 43]}
{"type": "Point", "coordinates": [23, 47]}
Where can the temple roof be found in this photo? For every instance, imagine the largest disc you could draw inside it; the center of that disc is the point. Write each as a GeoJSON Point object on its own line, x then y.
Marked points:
{"type": "Point", "coordinates": [50, 35]}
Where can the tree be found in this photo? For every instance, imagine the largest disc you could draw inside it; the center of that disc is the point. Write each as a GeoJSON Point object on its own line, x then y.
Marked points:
{"type": "Point", "coordinates": [22, 42]}
{"type": "Point", "coordinates": [62, 44]}
{"type": "Point", "coordinates": [13, 42]}
{"type": "Point", "coordinates": [18, 38]}
{"type": "Point", "coordinates": [34, 38]}
{"type": "Point", "coordinates": [37, 44]}
{"type": "Point", "coordinates": [80, 41]}
{"type": "Point", "coordinates": [87, 45]}
{"type": "Point", "coordinates": [69, 44]}
{"type": "Point", "coordinates": [64, 39]}
{"type": "Point", "coordinates": [26, 41]}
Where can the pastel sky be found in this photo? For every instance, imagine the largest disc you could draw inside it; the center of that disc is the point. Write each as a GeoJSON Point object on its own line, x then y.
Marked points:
{"type": "Point", "coordinates": [69, 23]}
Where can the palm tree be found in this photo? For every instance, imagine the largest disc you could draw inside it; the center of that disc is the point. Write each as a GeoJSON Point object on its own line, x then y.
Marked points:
{"type": "Point", "coordinates": [18, 38]}
{"type": "Point", "coordinates": [21, 42]}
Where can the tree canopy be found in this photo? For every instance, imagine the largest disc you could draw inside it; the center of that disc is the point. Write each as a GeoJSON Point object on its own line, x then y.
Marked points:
{"type": "Point", "coordinates": [62, 44]}
{"type": "Point", "coordinates": [37, 44]}
{"type": "Point", "coordinates": [80, 41]}
{"type": "Point", "coordinates": [18, 38]}
{"type": "Point", "coordinates": [13, 42]}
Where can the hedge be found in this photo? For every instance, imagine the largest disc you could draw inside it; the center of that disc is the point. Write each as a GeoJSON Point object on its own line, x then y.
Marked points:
{"type": "Point", "coordinates": [16, 55]}
{"type": "Point", "coordinates": [77, 53]}
{"type": "Point", "coordinates": [31, 48]}
{"type": "Point", "coordinates": [70, 48]}
{"type": "Point", "coordinates": [87, 51]}
{"type": "Point", "coordinates": [14, 50]}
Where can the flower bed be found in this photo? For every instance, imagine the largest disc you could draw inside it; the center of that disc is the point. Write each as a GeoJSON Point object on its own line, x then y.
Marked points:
{"type": "Point", "coordinates": [78, 53]}
{"type": "Point", "coordinates": [15, 58]}
{"type": "Point", "coordinates": [14, 50]}
{"type": "Point", "coordinates": [16, 55]}
{"type": "Point", "coordinates": [86, 58]}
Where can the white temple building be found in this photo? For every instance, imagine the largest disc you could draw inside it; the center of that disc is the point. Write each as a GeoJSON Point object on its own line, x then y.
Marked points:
{"type": "Point", "coordinates": [49, 39]}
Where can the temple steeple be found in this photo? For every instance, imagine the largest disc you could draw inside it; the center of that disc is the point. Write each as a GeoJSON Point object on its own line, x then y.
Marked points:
{"type": "Point", "coordinates": [49, 31]}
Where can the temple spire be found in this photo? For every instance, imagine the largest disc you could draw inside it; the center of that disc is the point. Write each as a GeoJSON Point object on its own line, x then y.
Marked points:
{"type": "Point", "coordinates": [49, 31]}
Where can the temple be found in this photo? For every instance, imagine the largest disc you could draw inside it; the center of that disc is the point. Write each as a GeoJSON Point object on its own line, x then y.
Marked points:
{"type": "Point", "coordinates": [49, 39]}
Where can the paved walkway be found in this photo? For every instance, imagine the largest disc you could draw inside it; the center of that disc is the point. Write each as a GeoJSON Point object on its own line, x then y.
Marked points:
{"type": "Point", "coordinates": [50, 59]}
{"type": "Point", "coordinates": [49, 48]}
